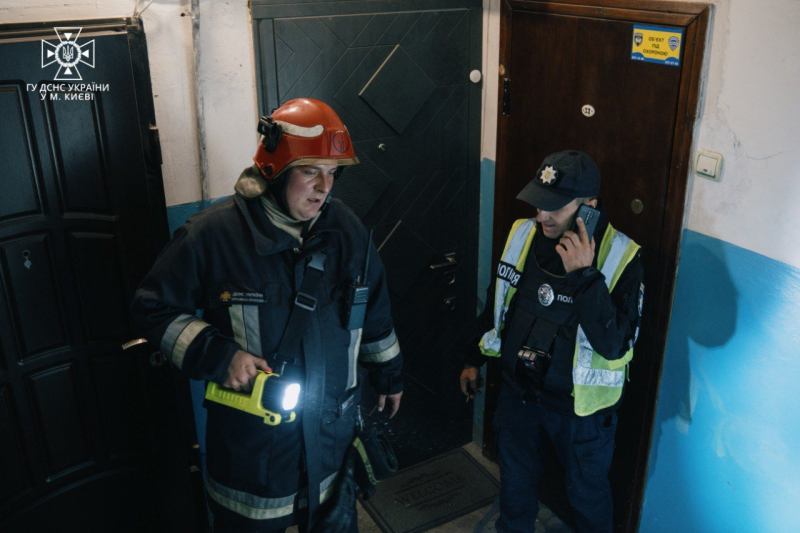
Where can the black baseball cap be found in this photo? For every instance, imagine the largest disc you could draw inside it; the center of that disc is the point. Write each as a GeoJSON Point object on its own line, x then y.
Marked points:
{"type": "Point", "coordinates": [562, 177]}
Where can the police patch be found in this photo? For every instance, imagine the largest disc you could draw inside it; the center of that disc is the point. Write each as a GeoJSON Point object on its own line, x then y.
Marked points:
{"type": "Point", "coordinates": [508, 273]}
{"type": "Point", "coordinates": [641, 298]}
{"type": "Point", "coordinates": [546, 295]}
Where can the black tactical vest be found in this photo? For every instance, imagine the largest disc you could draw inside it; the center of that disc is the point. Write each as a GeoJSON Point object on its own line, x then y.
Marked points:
{"type": "Point", "coordinates": [544, 319]}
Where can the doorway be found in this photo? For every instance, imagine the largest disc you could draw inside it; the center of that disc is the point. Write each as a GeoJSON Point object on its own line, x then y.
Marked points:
{"type": "Point", "coordinates": [570, 78]}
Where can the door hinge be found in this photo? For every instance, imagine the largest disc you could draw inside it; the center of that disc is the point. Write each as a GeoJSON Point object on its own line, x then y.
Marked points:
{"type": "Point", "coordinates": [506, 96]}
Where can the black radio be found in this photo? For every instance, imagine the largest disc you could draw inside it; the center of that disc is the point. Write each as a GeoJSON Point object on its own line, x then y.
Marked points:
{"type": "Point", "coordinates": [358, 295]}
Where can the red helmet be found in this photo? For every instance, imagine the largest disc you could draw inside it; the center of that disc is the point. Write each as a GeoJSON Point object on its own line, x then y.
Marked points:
{"type": "Point", "coordinates": [302, 132]}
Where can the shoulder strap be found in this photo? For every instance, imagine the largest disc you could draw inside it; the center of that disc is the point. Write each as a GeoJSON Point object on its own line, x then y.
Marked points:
{"type": "Point", "coordinates": [305, 303]}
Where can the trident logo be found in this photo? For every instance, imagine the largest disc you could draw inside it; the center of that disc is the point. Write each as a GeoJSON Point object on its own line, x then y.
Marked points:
{"type": "Point", "coordinates": [68, 54]}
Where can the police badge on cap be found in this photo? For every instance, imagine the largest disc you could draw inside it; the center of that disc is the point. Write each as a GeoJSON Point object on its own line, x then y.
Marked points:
{"type": "Point", "coordinates": [549, 175]}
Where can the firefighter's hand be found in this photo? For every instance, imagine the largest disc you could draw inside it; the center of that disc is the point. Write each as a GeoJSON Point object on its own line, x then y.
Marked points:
{"type": "Point", "coordinates": [576, 249]}
{"type": "Point", "coordinates": [470, 381]}
{"type": "Point", "coordinates": [393, 400]}
{"type": "Point", "coordinates": [243, 370]}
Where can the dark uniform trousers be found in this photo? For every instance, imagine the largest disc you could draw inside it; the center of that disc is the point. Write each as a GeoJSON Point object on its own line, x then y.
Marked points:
{"type": "Point", "coordinates": [585, 446]}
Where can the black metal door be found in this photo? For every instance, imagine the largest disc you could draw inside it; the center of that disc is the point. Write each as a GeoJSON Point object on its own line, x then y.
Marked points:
{"type": "Point", "coordinates": [90, 439]}
{"type": "Point", "coordinates": [401, 83]}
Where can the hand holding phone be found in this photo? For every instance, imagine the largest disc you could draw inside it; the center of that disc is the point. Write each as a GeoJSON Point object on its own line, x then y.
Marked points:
{"type": "Point", "coordinates": [574, 252]}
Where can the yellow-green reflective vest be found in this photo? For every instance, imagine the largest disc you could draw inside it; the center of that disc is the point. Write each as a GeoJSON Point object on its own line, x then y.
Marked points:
{"type": "Point", "coordinates": [597, 381]}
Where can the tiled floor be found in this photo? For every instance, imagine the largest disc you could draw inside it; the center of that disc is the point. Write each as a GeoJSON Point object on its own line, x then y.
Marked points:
{"type": "Point", "coordinates": [480, 521]}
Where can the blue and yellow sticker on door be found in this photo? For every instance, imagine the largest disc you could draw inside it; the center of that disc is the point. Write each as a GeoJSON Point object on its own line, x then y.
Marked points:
{"type": "Point", "coordinates": [657, 44]}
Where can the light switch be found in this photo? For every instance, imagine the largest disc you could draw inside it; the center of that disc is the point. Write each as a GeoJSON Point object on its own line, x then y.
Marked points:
{"type": "Point", "coordinates": [709, 164]}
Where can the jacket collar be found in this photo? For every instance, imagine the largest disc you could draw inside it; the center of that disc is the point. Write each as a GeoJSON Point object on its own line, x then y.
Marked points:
{"type": "Point", "coordinates": [267, 238]}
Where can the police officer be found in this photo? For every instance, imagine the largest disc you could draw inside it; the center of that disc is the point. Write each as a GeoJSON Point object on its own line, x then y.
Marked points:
{"type": "Point", "coordinates": [244, 262]}
{"type": "Point", "coordinates": [562, 315]}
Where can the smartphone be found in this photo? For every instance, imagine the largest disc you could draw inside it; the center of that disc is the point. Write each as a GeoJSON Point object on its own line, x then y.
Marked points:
{"type": "Point", "coordinates": [590, 217]}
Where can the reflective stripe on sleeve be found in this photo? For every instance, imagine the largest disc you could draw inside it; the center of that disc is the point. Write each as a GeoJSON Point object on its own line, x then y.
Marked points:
{"type": "Point", "coordinates": [380, 351]}
{"type": "Point", "coordinates": [179, 335]}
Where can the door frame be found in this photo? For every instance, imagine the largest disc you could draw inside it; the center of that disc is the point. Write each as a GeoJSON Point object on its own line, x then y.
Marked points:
{"type": "Point", "coordinates": [694, 18]}
{"type": "Point", "coordinates": [178, 388]}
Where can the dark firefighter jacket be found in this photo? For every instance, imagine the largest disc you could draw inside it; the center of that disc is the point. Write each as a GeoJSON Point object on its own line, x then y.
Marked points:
{"type": "Point", "coordinates": [610, 321]}
{"type": "Point", "coordinates": [242, 272]}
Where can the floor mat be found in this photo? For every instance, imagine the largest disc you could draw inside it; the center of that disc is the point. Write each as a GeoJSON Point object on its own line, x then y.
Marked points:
{"type": "Point", "coordinates": [432, 493]}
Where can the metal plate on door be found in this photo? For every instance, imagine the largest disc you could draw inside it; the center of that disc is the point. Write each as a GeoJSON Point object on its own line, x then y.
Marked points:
{"type": "Point", "coordinates": [637, 206]}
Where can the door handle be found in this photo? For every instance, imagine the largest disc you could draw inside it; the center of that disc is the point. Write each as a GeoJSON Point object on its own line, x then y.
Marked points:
{"type": "Point", "coordinates": [157, 359]}
{"type": "Point", "coordinates": [449, 261]}
{"type": "Point", "coordinates": [134, 342]}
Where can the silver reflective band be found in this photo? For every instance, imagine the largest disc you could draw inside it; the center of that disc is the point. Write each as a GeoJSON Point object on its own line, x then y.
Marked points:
{"type": "Point", "coordinates": [301, 131]}
{"type": "Point", "coordinates": [179, 335]}
{"type": "Point", "coordinates": [258, 508]}
{"type": "Point", "coordinates": [491, 339]}
{"type": "Point", "coordinates": [618, 247]}
{"type": "Point", "coordinates": [583, 373]}
{"type": "Point", "coordinates": [246, 327]}
{"type": "Point", "coordinates": [598, 377]}
{"type": "Point", "coordinates": [380, 351]}
{"type": "Point", "coordinates": [352, 353]}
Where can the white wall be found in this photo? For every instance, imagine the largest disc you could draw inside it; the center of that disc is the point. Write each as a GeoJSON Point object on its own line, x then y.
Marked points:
{"type": "Point", "coordinates": [491, 62]}
{"type": "Point", "coordinates": [227, 78]}
{"type": "Point", "coordinates": [751, 116]}
{"type": "Point", "coordinates": [227, 74]}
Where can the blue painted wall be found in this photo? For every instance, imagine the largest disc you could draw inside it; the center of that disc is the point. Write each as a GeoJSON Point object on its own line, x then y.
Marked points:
{"type": "Point", "coordinates": [726, 448]}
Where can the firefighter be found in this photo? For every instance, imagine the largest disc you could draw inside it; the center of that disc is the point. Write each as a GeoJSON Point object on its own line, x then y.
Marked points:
{"type": "Point", "coordinates": [278, 249]}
